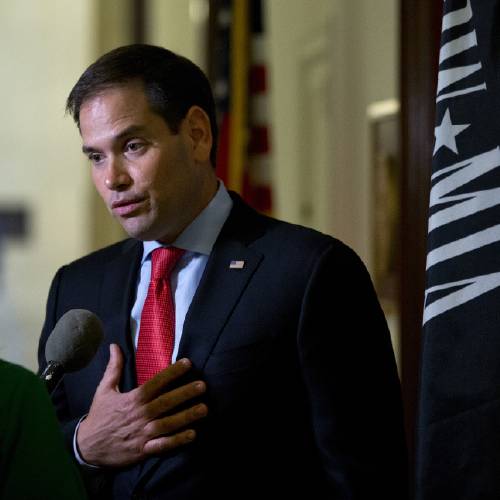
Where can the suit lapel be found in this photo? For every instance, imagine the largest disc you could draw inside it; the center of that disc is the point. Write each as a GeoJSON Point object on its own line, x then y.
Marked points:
{"type": "Point", "coordinates": [218, 292]}
{"type": "Point", "coordinates": [117, 296]}
{"type": "Point", "coordinates": [221, 285]}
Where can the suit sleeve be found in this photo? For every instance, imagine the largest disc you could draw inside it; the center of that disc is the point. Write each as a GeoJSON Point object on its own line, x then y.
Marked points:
{"type": "Point", "coordinates": [68, 425]}
{"type": "Point", "coordinates": [351, 378]}
{"type": "Point", "coordinates": [96, 480]}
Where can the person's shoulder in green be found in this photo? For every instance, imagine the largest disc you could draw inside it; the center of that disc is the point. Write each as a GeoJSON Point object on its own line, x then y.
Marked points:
{"type": "Point", "coordinates": [34, 463]}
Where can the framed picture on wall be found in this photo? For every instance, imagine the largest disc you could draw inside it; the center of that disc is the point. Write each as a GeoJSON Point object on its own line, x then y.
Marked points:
{"type": "Point", "coordinates": [385, 175]}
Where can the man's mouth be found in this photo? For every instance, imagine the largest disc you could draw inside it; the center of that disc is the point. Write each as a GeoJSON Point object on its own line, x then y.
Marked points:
{"type": "Point", "coordinates": [127, 207]}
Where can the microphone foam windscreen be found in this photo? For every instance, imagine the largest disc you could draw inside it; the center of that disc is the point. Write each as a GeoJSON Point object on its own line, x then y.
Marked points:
{"type": "Point", "coordinates": [74, 340]}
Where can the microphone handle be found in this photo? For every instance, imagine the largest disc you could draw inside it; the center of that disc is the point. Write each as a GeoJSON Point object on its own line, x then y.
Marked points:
{"type": "Point", "coordinates": [52, 375]}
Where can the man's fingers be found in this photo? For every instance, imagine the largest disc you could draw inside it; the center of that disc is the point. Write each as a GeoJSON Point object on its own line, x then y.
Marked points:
{"type": "Point", "coordinates": [171, 399]}
{"type": "Point", "coordinates": [152, 388]}
{"type": "Point", "coordinates": [113, 372]}
{"type": "Point", "coordinates": [166, 443]}
{"type": "Point", "coordinates": [173, 423]}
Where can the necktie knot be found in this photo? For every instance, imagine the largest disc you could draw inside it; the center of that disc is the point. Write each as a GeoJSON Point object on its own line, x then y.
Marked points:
{"type": "Point", "coordinates": [164, 260]}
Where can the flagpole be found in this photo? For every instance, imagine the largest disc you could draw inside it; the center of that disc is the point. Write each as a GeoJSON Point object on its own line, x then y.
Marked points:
{"type": "Point", "coordinates": [419, 31]}
{"type": "Point", "coordinates": [238, 133]}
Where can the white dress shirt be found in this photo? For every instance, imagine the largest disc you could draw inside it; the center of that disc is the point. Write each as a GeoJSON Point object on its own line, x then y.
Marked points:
{"type": "Point", "coordinates": [197, 239]}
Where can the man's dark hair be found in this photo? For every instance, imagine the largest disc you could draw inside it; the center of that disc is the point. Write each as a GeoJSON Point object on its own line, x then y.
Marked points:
{"type": "Point", "coordinates": [172, 84]}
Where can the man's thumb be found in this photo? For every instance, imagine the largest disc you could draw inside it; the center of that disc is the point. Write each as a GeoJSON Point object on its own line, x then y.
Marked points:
{"type": "Point", "coordinates": [113, 372]}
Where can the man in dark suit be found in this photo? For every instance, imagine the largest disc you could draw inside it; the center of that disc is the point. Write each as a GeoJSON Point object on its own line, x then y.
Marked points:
{"type": "Point", "coordinates": [290, 360]}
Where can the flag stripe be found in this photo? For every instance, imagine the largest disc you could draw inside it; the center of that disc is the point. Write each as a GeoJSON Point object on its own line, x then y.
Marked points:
{"type": "Point", "coordinates": [239, 94]}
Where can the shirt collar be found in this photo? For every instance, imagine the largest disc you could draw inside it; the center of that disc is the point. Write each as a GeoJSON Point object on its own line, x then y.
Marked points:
{"type": "Point", "coordinates": [200, 235]}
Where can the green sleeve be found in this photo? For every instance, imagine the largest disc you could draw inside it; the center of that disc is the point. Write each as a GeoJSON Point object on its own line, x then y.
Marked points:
{"type": "Point", "coordinates": [34, 463]}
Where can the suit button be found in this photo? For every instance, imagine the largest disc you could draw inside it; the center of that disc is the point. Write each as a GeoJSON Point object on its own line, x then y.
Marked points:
{"type": "Point", "coordinates": [139, 495]}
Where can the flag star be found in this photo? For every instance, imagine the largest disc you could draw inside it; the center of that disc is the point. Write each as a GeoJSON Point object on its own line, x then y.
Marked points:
{"type": "Point", "coordinates": [446, 132]}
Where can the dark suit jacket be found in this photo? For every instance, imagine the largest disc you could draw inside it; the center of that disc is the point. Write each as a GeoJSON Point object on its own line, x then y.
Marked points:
{"type": "Point", "coordinates": [303, 393]}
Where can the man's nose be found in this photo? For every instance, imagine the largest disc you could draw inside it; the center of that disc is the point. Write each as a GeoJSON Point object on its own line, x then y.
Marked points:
{"type": "Point", "coordinates": [117, 177]}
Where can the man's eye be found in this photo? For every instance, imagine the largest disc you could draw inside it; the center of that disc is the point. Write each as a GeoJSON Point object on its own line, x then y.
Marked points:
{"type": "Point", "coordinates": [95, 157]}
{"type": "Point", "coordinates": [134, 146]}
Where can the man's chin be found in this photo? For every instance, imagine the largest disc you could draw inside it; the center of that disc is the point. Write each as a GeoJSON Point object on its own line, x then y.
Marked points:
{"type": "Point", "coordinates": [137, 231]}
{"type": "Point", "coordinates": [142, 233]}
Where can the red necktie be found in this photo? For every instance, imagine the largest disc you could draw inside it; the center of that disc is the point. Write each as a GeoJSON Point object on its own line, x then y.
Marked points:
{"type": "Point", "coordinates": [157, 330]}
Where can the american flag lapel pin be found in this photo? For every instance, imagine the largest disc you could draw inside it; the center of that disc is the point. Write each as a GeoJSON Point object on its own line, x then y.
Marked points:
{"type": "Point", "coordinates": [237, 264]}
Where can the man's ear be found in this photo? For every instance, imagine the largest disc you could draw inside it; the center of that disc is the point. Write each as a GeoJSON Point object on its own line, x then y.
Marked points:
{"type": "Point", "coordinates": [200, 133]}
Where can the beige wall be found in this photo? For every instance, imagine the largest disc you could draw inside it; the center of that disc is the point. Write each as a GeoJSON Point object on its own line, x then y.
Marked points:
{"type": "Point", "coordinates": [328, 64]}
{"type": "Point", "coordinates": [42, 52]}
{"type": "Point", "coordinates": [45, 46]}
{"type": "Point", "coordinates": [179, 25]}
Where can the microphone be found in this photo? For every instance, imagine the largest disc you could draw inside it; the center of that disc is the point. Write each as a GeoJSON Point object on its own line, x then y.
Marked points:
{"type": "Point", "coordinates": [71, 345]}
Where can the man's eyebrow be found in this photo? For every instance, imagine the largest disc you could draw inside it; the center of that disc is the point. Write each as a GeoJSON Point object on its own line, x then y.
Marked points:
{"type": "Point", "coordinates": [87, 149]}
{"type": "Point", "coordinates": [132, 130]}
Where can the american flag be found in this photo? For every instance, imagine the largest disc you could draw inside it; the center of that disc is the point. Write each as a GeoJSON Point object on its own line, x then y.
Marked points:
{"type": "Point", "coordinates": [241, 92]}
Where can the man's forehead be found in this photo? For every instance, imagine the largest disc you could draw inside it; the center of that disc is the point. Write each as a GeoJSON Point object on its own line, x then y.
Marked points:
{"type": "Point", "coordinates": [117, 111]}
{"type": "Point", "coordinates": [115, 108]}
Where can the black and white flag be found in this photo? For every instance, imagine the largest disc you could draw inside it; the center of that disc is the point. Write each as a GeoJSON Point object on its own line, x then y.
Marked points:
{"type": "Point", "coordinates": [458, 435]}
